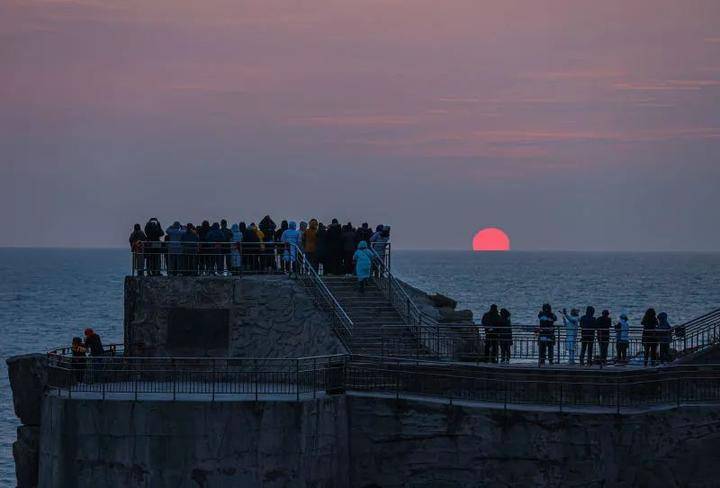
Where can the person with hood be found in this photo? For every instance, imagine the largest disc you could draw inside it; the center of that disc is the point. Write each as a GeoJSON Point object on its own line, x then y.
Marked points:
{"type": "Point", "coordinates": [252, 239]}
{"type": "Point", "coordinates": [291, 238]}
{"type": "Point", "coordinates": [649, 336]}
{"type": "Point", "coordinates": [490, 321]}
{"type": "Point", "coordinates": [173, 237]}
{"type": "Point", "coordinates": [349, 246]}
{"type": "Point", "coordinates": [362, 258]}
{"type": "Point", "coordinates": [571, 323]}
{"type": "Point", "coordinates": [310, 243]}
{"type": "Point", "coordinates": [235, 248]}
{"type": "Point", "coordinates": [190, 243]}
{"type": "Point", "coordinates": [227, 244]}
{"type": "Point", "coordinates": [587, 335]}
{"type": "Point", "coordinates": [137, 238]}
{"type": "Point", "coordinates": [504, 332]}
{"type": "Point", "coordinates": [321, 249]}
{"type": "Point", "coordinates": [622, 338]}
{"type": "Point", "coordinates": [664, 335]}
{"type": "Point", "coordinates": [546, 334]}
{"type": "Point", "coordinates": [602, 327]}
{"type": "Point", "coordinates": [334, 248]}
{"type": "Point", "coordinates": [269, 229]}
{"type": "Point", "coordinates": [153, 231]}
{"type": "Point", "coordinates": [379, 241]}
{"type": "Point", "coordinates": [215, 238]}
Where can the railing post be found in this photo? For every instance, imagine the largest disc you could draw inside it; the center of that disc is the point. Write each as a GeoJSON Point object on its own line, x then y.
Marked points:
{"type": "Point", "coordinates": [297, 380]}
{"type": "Point", "coordinates": [214, 377]}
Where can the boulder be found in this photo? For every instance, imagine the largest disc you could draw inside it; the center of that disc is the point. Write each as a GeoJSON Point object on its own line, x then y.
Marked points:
{"type": "Point", "coordinates": [441, 301]}
{"type": "Point", "coordinates": [25, 452]}
{"type": "Point", "coordinates": [450, 316]}
{"type": "Point", "coordinates": [28, 379]}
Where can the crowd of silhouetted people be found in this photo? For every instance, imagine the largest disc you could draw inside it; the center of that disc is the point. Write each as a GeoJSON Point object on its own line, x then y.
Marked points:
{"type": "Point", "coordinates": [591, 330]}
{"type": "Point", "coordinates": [92, 346]}
{"type": "Point", "coordinates": [219, 249]}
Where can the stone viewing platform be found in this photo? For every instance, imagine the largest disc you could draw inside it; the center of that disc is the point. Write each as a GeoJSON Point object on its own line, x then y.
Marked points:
{"type": "Point", "coordinates": [292, 378]}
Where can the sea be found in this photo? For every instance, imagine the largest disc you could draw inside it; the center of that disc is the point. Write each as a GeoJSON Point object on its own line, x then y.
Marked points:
{"type": "Point", "coordinates": [47, 296]}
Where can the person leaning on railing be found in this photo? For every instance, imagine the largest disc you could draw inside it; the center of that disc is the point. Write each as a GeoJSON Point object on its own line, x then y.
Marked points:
{"type": "Point", "coordinates": [622, 338]}
{"type": "Point", "coordinates": [78, 358]}
{"type": "Point", "coordinates": [649, 336]}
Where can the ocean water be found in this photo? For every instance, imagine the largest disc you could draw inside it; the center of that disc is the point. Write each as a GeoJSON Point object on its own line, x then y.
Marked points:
{"type": "Point", "coordinates": [49, 295]}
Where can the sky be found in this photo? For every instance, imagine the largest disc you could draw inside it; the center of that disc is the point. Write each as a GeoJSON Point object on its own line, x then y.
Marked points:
{"type": "Point", "coordinates": [571, 124]}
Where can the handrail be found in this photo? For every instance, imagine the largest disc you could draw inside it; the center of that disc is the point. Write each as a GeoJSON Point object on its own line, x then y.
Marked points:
{"type": "Point", "coordinates": [308, 272]}
{"type": "Point", "coordinates": [412, 315]}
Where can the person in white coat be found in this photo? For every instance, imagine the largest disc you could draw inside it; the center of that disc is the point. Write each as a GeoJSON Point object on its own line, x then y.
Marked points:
{"type": "Point", "coordinates": [235, 254]}
{"type": "Point", "coordinates": [571, 322]}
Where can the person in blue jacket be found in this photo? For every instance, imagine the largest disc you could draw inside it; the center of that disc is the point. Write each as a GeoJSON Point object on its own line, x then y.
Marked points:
{"type": "Point", "coordinates": [291, 237]}
{"type": "Point", "coordinates": [363, 264]}
{"type": "Point", "coordinates": [622, 338]}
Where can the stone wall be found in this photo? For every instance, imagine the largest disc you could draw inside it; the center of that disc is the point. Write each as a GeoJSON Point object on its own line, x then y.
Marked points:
{"type": "Point", "coordinates": [90, 443]}
{"type": "Point", "coordinates": [422, 444]}
{"type": "Point", "coordinates": [28, 379]}
{"type": "Point", "coordinates": [269, 316]}
{"type": "Point", "coordinates": [365, 441]}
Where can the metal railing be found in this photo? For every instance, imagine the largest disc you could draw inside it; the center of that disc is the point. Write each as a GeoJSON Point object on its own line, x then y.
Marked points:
{"type": "Point", "coordinates": [299, 379]}
{"type": "Point", "coordinates": [157, 258]}
{"type": "Point", "coordinates": [341, 322]}
{"type": "Point", "coordinates": [213, 378]}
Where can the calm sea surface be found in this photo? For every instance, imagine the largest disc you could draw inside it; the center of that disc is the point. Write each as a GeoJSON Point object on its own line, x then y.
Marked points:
{"type": "Point", "coordinates": [49, 295]}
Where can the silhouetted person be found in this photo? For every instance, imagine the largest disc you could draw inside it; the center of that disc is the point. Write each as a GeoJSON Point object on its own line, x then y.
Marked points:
{"type": "Point", "coordinates": [363, 264]}
{"type": "Point", "coordinates": [504, 331]}
{"type": "Point", "coordinates": [310, 243]}
{"type": "Point", "coordinates": [93, 343]}
{"type": "Point", "coordinates": [664, 335]}
{"type": "Point", "coordinates": [587, 335]}
{"type": "Point", "coordinates": [322, 248]}
{"type": "Point", "coordinates": [649, 336]}
{"type": "Point", "coordinates": [349, 248]}
{"type": "Point", "coordinates": [190, 245]}
{"type": "Point", "coordinates": [227, 243]}
{"type": "Point", "coordinates": [174, 248]}
{"type": "Point", "coordinates": [622, 338]}
{"type": "Point", "coordinates": [546, 334]}
{"type": "Point", "coordinates": [137, 238]}
{"type": "Point", "coordinates": [602, 326]}
{"type": "Point", "coordinates": [78, 358]}
{"type": "Point", "coordinates": [205, 249]}
{"type": "Point", "coordinates": [363, 233]}
{"type": "Point", "coordinates": [572, 323]}
{"type": "Point", "coordinates": [489, 322]}
{"type": "Point", "coordinates": [268, 228]}
{"type": "Point", "coordinates": [153, 231]}
{"type": "Point", "coordinates": [334, 248]}
{"type": "Point", "coordinates": [215, 239]}
{"type": "Point", "coordinates": [251, 248]}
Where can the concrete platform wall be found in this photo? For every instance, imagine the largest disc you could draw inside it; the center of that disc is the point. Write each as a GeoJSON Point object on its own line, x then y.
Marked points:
{"type": "Point", "coordinates": [268, 316]}
{"type": "Point", "coordinates": [364, 441]}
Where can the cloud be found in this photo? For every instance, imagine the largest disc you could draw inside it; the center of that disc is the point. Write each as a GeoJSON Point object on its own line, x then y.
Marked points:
{"type": "Point", "coordinates": [355, 120]}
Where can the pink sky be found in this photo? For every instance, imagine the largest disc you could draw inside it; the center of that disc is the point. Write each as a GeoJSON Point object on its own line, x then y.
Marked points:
{"type": "Point", "coordinates": [570, 124]}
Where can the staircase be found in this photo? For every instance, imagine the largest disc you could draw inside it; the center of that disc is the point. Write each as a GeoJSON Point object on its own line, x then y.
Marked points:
{"type": "Point", "coordinates": [369, 312]}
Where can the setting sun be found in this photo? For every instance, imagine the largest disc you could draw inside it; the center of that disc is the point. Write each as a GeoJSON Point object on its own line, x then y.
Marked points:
{"type": "Point", "coordinates": [491, 239]}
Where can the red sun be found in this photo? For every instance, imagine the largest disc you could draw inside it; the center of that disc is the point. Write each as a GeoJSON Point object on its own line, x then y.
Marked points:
{"type": "Point", "coordinates": [491, 239]}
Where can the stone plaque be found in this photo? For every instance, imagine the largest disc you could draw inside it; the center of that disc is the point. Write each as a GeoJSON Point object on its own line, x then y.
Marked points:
{"type": "Point", "coordinates": [197, 332]}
